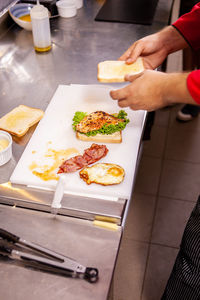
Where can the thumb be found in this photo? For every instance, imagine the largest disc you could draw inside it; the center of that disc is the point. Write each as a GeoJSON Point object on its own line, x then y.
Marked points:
{"type": "Point", "coordinates": [133, 77]}
{"type": "Point", "coordinates": [136, 51]}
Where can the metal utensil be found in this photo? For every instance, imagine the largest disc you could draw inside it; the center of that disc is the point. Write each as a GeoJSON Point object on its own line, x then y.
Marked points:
{"type": "Point", "coordinates": [48, 261]}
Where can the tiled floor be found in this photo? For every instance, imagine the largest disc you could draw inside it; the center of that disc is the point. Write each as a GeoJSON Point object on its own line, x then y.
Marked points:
{"type": "Point", "coordinates": [167, 187]}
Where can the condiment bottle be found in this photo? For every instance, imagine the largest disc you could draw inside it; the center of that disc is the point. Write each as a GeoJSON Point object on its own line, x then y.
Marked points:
{"type": "Point", "coordinates": [40, 28]}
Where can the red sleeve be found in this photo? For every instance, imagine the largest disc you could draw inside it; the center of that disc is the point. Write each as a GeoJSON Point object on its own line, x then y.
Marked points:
{"type": "Point", "coordinates": [193, 85]}
{"type": "Point", "coordinates": [189, 26]}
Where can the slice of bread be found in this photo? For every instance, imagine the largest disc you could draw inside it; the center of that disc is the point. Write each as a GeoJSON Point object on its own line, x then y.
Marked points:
{"type": "Point", "coordinates": [115, 70]}
{"type": "Point", "coordinates": [115, 137]}
{"type": "Point", "coordinates": [20, 119]}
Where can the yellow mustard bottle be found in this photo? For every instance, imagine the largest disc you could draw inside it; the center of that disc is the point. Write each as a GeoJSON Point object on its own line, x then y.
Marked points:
{"type": "Point", "coordinates": [40, 28]}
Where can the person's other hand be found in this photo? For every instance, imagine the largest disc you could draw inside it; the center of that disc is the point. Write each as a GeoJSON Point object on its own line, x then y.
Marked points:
{"type": "Point", "coordinates": [152, 90]}
{"type": "Point", "coordinates": [150, 48]}
{"type": "Point", "coordinates": [144, 91]}
{"type": "Point", "coordinates": [155, 47]}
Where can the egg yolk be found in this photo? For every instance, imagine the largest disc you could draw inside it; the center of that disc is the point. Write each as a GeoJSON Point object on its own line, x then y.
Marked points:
{"type": "Point", "coordinates": [26, 18]}
{"type": "Point", "coordinates": [115, 171]}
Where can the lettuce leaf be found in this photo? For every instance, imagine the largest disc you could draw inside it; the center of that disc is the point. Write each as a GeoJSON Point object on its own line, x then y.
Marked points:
{"type": "Point", "coordinates": [106, 129]}
{"type": "Point", "coordinates": [79, 115]}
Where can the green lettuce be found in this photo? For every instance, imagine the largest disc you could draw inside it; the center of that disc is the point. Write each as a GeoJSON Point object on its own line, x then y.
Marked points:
{"type": "Point", "coordinates": [79, 115]}
{"type": "Point", "coordinates": [106, 129]}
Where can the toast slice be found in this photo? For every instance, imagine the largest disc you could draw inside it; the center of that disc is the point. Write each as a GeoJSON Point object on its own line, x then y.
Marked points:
{"type": "Point", "coordinates": [20, 119]}
{"type": "Point", "coordinates": [115, 137]}
{"type": "Point", "coordinates": [115, 70]}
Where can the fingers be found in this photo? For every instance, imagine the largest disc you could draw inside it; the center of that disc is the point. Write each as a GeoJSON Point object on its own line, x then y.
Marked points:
{"type": "Point", "coordinates": [133, 52]}
{"type": "Point", "coordinates": [136, 52]}
{"type": "Point", "coordinates": [132, 77]}
{"type": "Point", "coordinates": [124, 93]}
{"type": "Point", "coordinates": [120, 94]}
{"type": "Point", "coordinates": [121, 97]}
{"type": "Point", "coordinates": [128, 95]}
{"type": "Point", "coordinates": [126, 54]}
{"type": "Point", "coordinates": [123, 103]}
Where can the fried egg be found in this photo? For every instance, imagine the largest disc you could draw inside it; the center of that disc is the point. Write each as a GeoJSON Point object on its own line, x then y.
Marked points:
{"type": "Point", "coordinates": [103, 173]}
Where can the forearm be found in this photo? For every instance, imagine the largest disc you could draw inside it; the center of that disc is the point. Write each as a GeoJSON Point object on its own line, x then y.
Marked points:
{"type": "Point", "coordinates": [171, 39]}
{"type": "Point", "coordinates": [175, 89]}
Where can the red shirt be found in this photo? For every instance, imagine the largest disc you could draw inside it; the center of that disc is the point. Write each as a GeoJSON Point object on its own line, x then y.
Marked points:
{"type": "Point", "coordinates": [188, 26]}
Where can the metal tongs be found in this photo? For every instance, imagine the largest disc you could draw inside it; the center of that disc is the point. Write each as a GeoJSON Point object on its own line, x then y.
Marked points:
{"type": "Point", "coordinates": [44, 259]}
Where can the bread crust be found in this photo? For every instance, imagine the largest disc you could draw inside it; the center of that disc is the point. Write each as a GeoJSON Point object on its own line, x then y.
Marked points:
{"type": "Point", "coordinates": [27, 125]}
{"type": "Point", "coordinates": [110, 80]}
{"type": "Point", "coordinates": [101, 138]}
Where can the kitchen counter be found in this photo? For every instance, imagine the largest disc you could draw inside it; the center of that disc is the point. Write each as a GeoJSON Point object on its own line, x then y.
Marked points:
{"type": "Point", "coordinates": [91, 246]}
{"type": "Point", "coordinates": [78, 44]}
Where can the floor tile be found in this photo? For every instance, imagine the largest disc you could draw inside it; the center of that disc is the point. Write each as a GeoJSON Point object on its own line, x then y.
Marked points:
{"type": "Point", "coordinates": [129, 272]}
{"type": "Point", "coordinates": [156, 145]}
{"type": "Point", "coordinates": [183, 144]}
{"type": "Point", "coordinates": [160, 263]}
{"type": "Point", "coordinates": [170, 220]}
{"type": "Point", "coordinates": [140, 218]}
{"type": "Point", "coordinates": [180, 180]}
{"type": "Point", "coordinates": [192, 125]}
{"type": "Point", "coordinates": [148, 175]}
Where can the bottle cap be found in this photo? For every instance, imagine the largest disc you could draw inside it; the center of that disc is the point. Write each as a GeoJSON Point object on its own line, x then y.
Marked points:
{"type": "Point", "coordinates": [39, 12]}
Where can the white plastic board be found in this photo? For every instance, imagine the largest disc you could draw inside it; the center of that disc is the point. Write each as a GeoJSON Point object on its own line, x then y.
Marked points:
{"type": "Point", "coordinates": [56, 128]}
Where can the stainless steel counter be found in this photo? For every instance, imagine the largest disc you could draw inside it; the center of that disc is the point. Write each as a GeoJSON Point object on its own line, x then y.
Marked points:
{"type": "Point", "coordinates": [26, 77]}
{"type": "Point", "coordinates": [78, 239]}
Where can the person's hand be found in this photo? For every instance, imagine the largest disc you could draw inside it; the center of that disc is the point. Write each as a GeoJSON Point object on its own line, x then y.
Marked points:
{"type": "Point", "coordinates": [152, 90]}
{"type": "Point", "coordinates": [150, 48]}
{"type": "Point", "coordinates": [155, 47]}
{"type": "Point", "coordinates": [144, 92]}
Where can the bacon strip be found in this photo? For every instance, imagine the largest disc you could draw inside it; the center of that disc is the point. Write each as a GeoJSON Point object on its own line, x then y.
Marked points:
{"type": "Point", "coordinates": [90, 156]}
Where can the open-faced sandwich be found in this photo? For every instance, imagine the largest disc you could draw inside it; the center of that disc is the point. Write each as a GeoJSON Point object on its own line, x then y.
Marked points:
{"type": "Point", "coordinates": [100, 126]}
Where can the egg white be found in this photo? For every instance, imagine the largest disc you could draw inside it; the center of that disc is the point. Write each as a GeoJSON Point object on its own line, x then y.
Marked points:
{"type": "Point", "coordinates": [103, 173]}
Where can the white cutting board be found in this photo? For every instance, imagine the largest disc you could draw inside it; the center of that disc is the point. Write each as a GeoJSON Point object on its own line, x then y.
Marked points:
{"type": "Point", "coordinates": [56, 127]}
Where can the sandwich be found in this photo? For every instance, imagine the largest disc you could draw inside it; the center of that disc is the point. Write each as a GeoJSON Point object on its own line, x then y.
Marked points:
{"type": "Point", "coordinates": [20, 119]}
{"type": "Point", "coordinates": [100, 126]}
{"type": "Point", "coordinates": [115, 70]}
